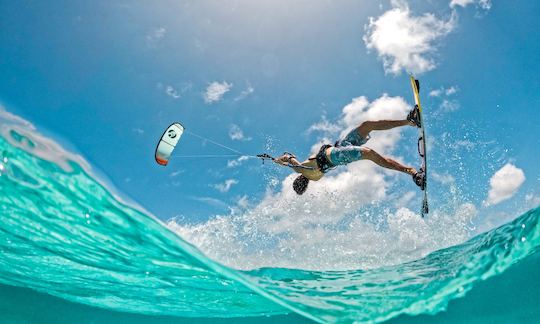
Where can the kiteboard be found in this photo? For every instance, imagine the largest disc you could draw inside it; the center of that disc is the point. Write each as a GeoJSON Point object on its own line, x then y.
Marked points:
{"type": "Point", "coordinates": [168, 142]}
{"type": "Point", "coordinates": [415, 84]}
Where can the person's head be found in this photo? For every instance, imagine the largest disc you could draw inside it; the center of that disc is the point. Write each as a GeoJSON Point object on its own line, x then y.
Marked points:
{"type": "Point", "coordinates": [300, 184]}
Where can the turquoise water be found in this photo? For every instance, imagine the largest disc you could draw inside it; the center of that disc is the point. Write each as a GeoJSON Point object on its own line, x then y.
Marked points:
{"type": "Point", "coordinates": [63, 233]}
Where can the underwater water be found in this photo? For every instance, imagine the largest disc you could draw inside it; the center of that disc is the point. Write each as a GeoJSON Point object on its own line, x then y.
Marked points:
{"type": "Point", "coordinates": [64, 234]}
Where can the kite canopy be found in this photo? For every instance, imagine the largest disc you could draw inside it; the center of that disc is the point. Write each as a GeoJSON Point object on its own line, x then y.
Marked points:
{"type": "Point", "coordinates": [168, 142]}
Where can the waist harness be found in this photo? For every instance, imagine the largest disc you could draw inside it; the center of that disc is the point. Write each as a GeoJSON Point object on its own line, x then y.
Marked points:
{"type": "Point", "coordinates": [322, 160]}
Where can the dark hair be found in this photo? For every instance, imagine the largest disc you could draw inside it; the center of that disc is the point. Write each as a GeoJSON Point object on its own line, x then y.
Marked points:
{"type": "Point", "coordinates": [300, 184]}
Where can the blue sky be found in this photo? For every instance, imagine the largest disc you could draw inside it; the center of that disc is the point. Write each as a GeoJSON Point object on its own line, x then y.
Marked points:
{"type": "Point", "coordinates": [107, 77]}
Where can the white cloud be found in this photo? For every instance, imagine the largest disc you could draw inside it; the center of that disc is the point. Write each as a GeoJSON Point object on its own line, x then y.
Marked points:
{"type": "Point", "coordinates": [237, 162]}
{"type": "Point", "coordinates": [445, 178]}
{"type": "Point", "coordinates": [212, 202]}
{"type": "Point", "coordinates": [404, 198]}
{"type": "Point", "coordinates": [236, 133]}
{"type": "Point", "coordinates": [449, 105]}
{"type": "Point", "coordinates": [175, 92]}
{"type": "Point", "coordinates": [482, 4]}
{"type": "Point", "coordinates": [406, 42]}
{"type": "Point", "coordinates": [225, 186]}
{"type": "Point", "coordinates": [435, 93]}
{"type": "Point", "coordinates": [504, 184]}
{"type": "Point", "coordinates": [155, 36]}
{"type": "Point", "coordinates": [444, 91]}
{"type": "Point", "coordinates": [176, 173]}
{"type": "Point", "coordinates": [243, 202]}
{"type": "Point", "coordinates": [172, 92]}
{"type": "Point", "coordinates": [451, 90]}
{"type": "Point", "coordinates": [249, 90]}
{"type": "Point", "coordinates": [324, 126]}
{"type": "Point", "coordinates": [139, 131]}
{"type": "Point", "coordinates": [532, 201]}
{"type": "Point", "coordinates": [461, 3]}
{"type": "Point", "coordinates": [215, 91]}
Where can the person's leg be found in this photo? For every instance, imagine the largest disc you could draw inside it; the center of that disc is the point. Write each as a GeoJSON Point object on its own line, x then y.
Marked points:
{"type": "Point", "coordinates": [369, 154]}
{"type": "Point", "coordinates": [366, 127]}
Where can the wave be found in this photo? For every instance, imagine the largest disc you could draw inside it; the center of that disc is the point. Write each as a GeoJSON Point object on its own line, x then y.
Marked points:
{"type": "Point", "coordinates": [63, 233]}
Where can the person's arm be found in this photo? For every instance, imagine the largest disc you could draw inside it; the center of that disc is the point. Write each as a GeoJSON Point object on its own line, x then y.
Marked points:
{"type": "Point", "coordinates": [287, 159]}
{"type": "Point", "coordinates": [291, 161]}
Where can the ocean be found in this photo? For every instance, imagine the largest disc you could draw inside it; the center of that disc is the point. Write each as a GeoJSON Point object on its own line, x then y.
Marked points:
{"type": "Point", "coordinates": [71, 250]}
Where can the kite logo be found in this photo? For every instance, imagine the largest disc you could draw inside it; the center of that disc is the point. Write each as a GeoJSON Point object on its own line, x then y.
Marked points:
{"type": "Point", "coordinates": [168, 141]}
{"type": "Point", "coordinates": [172, 133]}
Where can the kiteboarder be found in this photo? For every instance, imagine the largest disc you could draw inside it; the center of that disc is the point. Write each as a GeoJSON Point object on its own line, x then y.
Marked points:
{"type": "Point", "coordinates": [350, 149]}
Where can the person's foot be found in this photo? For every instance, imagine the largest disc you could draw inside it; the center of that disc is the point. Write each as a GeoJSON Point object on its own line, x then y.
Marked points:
{"type": "Point", "coordinates": [411, 171]}
{"type": "Point", "coordinates": [414, 117]}
{"type": "Point", "coordinates": [420, 179]}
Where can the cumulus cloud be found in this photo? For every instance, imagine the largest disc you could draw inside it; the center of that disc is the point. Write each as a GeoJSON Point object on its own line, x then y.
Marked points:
{"type": "Point", "coordinates": [236, 133]}
{"type": "Point", "coordinates": [444, 91]}
{"type": "Point", "coordinates": [212, 202]}
{"type": "Point", "coordinates": [245, 93]}
{"type": "Point", "coordinates": [461, 3]}
{"type": "Point", "coordinates": [447, 104]}
{"type": "Point", "coordinates": [443, 178]}
{"type": "Point", "coordinates": [175, 92]}
{"type": "Point", "coordinates": [155, 36]}
{"type": "Point", "coordinates": [243, 202]}
{"type": "Point", "coordinates": [225, 186]}
{"type": "Point", "coordinates": [172, 92]}
{"type": "Point", "coordinates": [237, 162]}
{"type": "Point", "coordinates": [504, 184]}
{"type": "Point", "coordinates": [215, 91]}
{"type": "Point", "coordinates": [324, 126]}
{"type": "Point", "coordinates": [176, 173]}
{"type": "Point", "coordinates": [532, 201]}
{"type": "Point", "coordinates": [406, 42]}
{"type": "Point", "coordinates": [483, 4]}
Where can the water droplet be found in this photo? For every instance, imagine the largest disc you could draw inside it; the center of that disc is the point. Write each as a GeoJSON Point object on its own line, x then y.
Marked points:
{"type": "Point", "coordinates": [522, 225]}
{"type": "Point", "coordinates": [87, 222]}
{"type": "Point", "coordinates": [523, 239]}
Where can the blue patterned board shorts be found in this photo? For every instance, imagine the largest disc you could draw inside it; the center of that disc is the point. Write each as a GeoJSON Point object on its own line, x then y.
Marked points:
{"type": "Point", "coordinates": [348, 149]}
